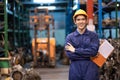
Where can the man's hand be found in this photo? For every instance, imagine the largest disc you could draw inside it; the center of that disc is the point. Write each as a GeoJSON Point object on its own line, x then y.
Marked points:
{"type": "Point", "coordinates": [69, 47]}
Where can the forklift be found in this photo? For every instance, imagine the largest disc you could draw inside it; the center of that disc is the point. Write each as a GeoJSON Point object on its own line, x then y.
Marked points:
{"type": "Point", "coordinates": [43, 48]}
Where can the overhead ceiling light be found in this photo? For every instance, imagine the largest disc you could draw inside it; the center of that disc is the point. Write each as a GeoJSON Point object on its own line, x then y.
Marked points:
{"type": "Point", "coordinates": [45, 1]}
{"type": "Point", "coordinates": [75, 7]}
{"type": "Point", "coordinates": [118, 5]}
{"type": "Point", "coordinates": [48, 7]}
{"type": "Point", "coordinates": [75, 1]}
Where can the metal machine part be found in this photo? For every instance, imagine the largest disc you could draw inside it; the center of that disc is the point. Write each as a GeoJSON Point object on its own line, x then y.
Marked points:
{"type": "Point", "coordinates": [41, 22]}
{"type": "Point", "coordinates": [17, 75]}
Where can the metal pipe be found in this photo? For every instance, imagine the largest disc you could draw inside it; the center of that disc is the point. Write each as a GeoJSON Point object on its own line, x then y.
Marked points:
{"type": "Point", "coordinates": [100, 17]}
{"type": "Point", "coordinates": [7, 58]}
{"type": "Point", "coordinates": [69, 21]}
{"type": "Point", "coordinates": [89, 6]}
{"type": "Point", "coordinates": [116, 9]}
{"type": "Point", "coordinates": [6, 28]}
{"type": "Point", "coordinates": [90, 9]}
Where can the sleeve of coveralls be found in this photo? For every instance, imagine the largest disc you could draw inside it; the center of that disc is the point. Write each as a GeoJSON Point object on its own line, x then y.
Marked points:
{"type": "Point", "coordinates": [69, 54]}
{"type": "Point", "coordinates": [91, 50]}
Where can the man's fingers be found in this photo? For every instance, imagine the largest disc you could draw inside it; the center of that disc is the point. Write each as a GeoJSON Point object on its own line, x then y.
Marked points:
{"type": "Point", "coordinates": [69, 44]}
{"type": "Point", "coordinates": [67, 47]}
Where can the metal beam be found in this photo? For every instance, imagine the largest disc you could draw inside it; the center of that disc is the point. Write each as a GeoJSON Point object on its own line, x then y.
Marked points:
{"type": "Point", "coordinates": [100, 18]}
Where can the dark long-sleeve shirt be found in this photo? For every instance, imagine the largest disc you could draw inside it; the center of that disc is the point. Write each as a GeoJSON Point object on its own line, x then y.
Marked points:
{"type": "Point", "coordinates": [86, 45]}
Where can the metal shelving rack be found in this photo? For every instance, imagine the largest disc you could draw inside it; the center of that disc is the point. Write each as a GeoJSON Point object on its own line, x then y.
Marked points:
{"type": "Point", "coordinates": [99, 11]}
{"type": "Point", "coordinates": [108, 8]}
{"type": "Point", "coordinates": [21, 28]}
{"type": "Point", "coordinates": [14, 32]}
{"type": "Point", "coordinates": [4, 35]}
{"type": "Point", "coordinates": [21, 25]}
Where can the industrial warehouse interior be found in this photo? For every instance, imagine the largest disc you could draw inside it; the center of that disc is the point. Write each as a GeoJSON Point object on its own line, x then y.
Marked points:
{"type": "Point", "coordinates": [33, 34]}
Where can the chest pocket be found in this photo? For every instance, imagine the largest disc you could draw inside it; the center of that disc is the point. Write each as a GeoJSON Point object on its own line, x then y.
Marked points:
{"type": "Point", "coordinates": [81, 41]}
{"type": "Point", "coordinates": [86, 41]}
{"type": "Point", "coordinates": [76, 42]}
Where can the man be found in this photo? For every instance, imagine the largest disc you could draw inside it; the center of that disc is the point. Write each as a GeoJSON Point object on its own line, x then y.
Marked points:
{"type": "Point", "coordinates": [80, 46]}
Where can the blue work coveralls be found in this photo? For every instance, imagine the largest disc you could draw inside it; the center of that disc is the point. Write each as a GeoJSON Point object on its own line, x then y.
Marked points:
{"type": "Point", "coordinates": [86, 45]}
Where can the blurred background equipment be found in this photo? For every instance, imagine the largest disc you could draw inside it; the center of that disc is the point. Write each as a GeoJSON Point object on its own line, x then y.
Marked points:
{"type": "Point", "coordinates": [33, 32]}
{"type": "Point", "coordinates": [43, 48]}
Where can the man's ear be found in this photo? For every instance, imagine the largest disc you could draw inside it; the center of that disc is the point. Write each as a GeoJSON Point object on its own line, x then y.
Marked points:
{"type": "Point", "coordinates": [74, 21]}
{"type": "Point", "coordinates": [87, 20]}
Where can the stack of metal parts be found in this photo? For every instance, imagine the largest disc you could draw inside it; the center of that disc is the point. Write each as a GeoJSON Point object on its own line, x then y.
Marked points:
{"type": "Point", "coordinates": [19, 73]}
{"type": "Point", "coordinates": [31, 74]}
{"type": "Point", "coordinates": [111, 69]}
{"type": "Point", "coordinates": [109, 23]}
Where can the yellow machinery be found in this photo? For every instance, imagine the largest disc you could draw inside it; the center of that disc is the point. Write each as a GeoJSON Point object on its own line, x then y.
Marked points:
{"type": "Point", "coordinates": [43, 49]}
{"type": "Point", "coordinates": [46, 58]}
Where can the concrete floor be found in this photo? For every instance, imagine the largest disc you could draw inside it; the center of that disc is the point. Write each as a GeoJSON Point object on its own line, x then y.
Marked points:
{"type": "Point", "coordinates": [60, 72]}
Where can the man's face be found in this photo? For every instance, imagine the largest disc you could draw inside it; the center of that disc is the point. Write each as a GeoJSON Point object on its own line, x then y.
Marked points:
{"type": "Point", "coordinates": [81, 22]}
